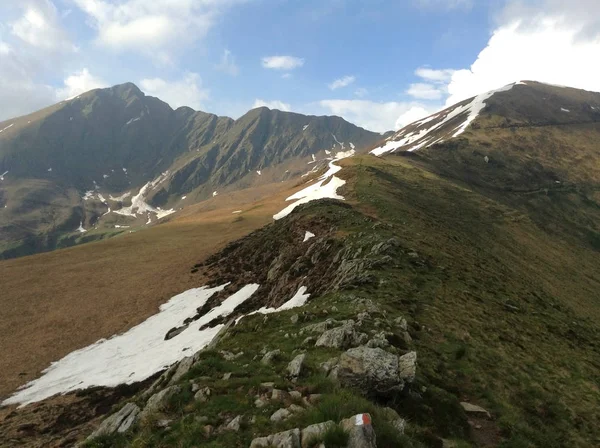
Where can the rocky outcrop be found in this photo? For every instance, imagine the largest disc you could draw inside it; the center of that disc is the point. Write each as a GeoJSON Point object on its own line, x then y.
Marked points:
{"type": "Point", "coordinates": [118, 422]}
{"type": "Point", "coordinates": [286, 439]}
{"type": "Point", "coordinates": [359, 429]}
{"type": "Point", "coordinates": [159, 401]}
{"type": "Point", "coordinates": [342, 337]}
{"type": "Point", "coordinates": [371, 370]}
{"type": "Point", "coordinates": [183, 367]}
{"type": "Point", "coordinates": [295, 367]}
{"type": "Point", "coordinates": [314, 433]}
{"type": "Point", "coordinates": [407, 364]}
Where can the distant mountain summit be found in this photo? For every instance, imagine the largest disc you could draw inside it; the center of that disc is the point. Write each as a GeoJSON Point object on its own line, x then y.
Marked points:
{"type": "Point", "coordinates": [521, 104]}
{"type": "Point", "coordinates": [68, 169]}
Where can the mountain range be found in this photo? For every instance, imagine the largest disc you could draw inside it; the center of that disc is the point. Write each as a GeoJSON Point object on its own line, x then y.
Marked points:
{"type": "Point", "coordinates": [70, 168]}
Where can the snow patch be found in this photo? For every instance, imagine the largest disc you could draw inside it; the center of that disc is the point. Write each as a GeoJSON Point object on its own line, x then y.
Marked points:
{"type": "Point", "coordinates": [139, 206]}
{"type": "Point", "coordinates": [326, 187]}
{"type": "Point", "coordinates": [338, 142]}
{"type": "Point", "coordinates": [183, 197]}
{"type": "Point", "coordinates": [236, 212]}
{"type": "Point", "coordinates": [49, 170]}
{"type": "Point", "coordinates": [119, 198]}
{"type": "Point", "coordinates": [305, 127]}
{"type": "Point", "coordinates": [7, 127]}
{"type": "Point", "coordinates": [259, 172]}
{"type": "Point", "coordinates": [117, 226]}
{"type": "Point", "coordinates": [298, 300]}
{"type": "Point", "coordinates": [138, 353]}
{"type": "Point", "coordinates": [80, 229]}
{"type": "Point", "coordinates": [307, 236]}
{"type": "Point", "coordinates": [415, 139]}
{"type": "Point", "coordinates": [215, 193]}
{"type": "Point", "coordinates": [3, 174]}
{"type": "Point", "coordinates": [133, 120]}
{"type": "Point", "coordinates": [564, 110]}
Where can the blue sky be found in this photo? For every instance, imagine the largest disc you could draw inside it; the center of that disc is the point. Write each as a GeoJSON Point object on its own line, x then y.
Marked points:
{"type": "Point", "coordinates": [378, 63]}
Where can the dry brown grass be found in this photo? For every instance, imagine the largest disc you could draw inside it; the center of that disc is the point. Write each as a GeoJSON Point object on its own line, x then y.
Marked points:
{"type": "Point", "coordinates": [54, 303]}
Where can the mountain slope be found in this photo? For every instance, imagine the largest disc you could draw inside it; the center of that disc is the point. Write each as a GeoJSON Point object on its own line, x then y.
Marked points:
{"type": "Point", "coordinates": [522, 104]}
{"type": "Point", "coordinates": [72, 165]}
{"type": "Point", "coordinates": [435, 254]}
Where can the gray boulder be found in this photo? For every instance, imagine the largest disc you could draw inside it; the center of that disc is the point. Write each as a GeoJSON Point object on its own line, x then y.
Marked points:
{"type": "Point", "coordinates": [119, 422]}
{"type": "Point", "coordinates": [235, 424]}
{"type": "Point", "coordinates": [159, 401]}
{"type": "Point", "coordinates": [270, 357]}
{"type": "Point", "coordinates": [378, 340]}
{"type": "Point", "coordinates": [286, 439]}
{"type": "Point", "coordinates": [407, 365]}
{"type": "Point", "coordinates": [371, 370]}
{"type": "Point", "coordinates": [313, 433]}
{"type": "Point", "coordinates": [183, 367]}
{"type": "Point", "coordinates": [360, 431]}
{"type": "Point", "coordinates": [203, 395]}
{"type": "Point", "coordinates": [475, 410]}
{"type": "Point", "coordinates": [341, 337]}
{"type": "Point", "coordinates": [296, 366]}
{"type": "Point", "coordinates": [280, 415]}
{"type": "Point", "coordinates": [328, 365]}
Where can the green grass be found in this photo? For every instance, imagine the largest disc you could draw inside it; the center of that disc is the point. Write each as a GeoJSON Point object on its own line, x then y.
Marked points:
{"type": "Point", "coordinates": [492, 317]}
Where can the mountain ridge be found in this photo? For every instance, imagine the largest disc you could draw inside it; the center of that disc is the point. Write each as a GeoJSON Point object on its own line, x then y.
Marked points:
{"type": "Point", "coordinates": [114, 141]}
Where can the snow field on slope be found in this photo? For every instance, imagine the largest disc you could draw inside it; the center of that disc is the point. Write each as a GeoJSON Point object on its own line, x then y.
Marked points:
{"type": "Point", "coordinates": [299, 299]}
{"type": "Point", "coordinates": [420, 137]}
{"type": "Point", "coordinates": [143, 351]}
{"type": "Point", "coordinates": [138, 353]}
{"type": "Point", "coordinates": [326, 187]}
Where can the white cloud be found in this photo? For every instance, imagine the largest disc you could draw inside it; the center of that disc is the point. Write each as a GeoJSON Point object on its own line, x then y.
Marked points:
{"type": "Point", "coordinates": [550, 52]}
{"type": "Point", "coordinates": [444, 4]}
{"type": "Point", "coordinates": [581, 14]}
{"type": "Point", "coordinates": [275, 104]}
{"type": "Point", "coordinates": [361, 92]}
{"type": "Point", "coordinates": [411, 115]}
{"type": "Point", "coordinates": [342, 82]}
{"type": "Point", "coordinates": [377, 116]}
{"type": "Point", "coordinates": [39, 26]}
{"type": "Point", "coordinates": [157, 28]}
{"type": "Point", "coordinates": [187, 91]}
{"type": "Point", "coordinates": [286, 75]}
{"type": "Point", "coordinates": [19, 91]}
{"type": "Point", "coordinates": [78, 83]}
{"type": "Point", "coordinates": [425, 91]}
{"type": "Point", "coordinates": [282, 62]}
{"type": "Point", "coordinates": [435, 76]}
{"type": "Point", "coordinates": [227, 64]}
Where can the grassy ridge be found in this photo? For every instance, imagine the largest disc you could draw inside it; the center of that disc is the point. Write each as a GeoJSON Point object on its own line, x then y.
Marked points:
{"type": "Point", "coordinates": [501, 313]}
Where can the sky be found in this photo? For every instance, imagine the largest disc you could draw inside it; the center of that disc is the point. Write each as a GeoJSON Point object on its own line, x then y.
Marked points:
{"type": "Point", "coordinates": [380, 64]}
